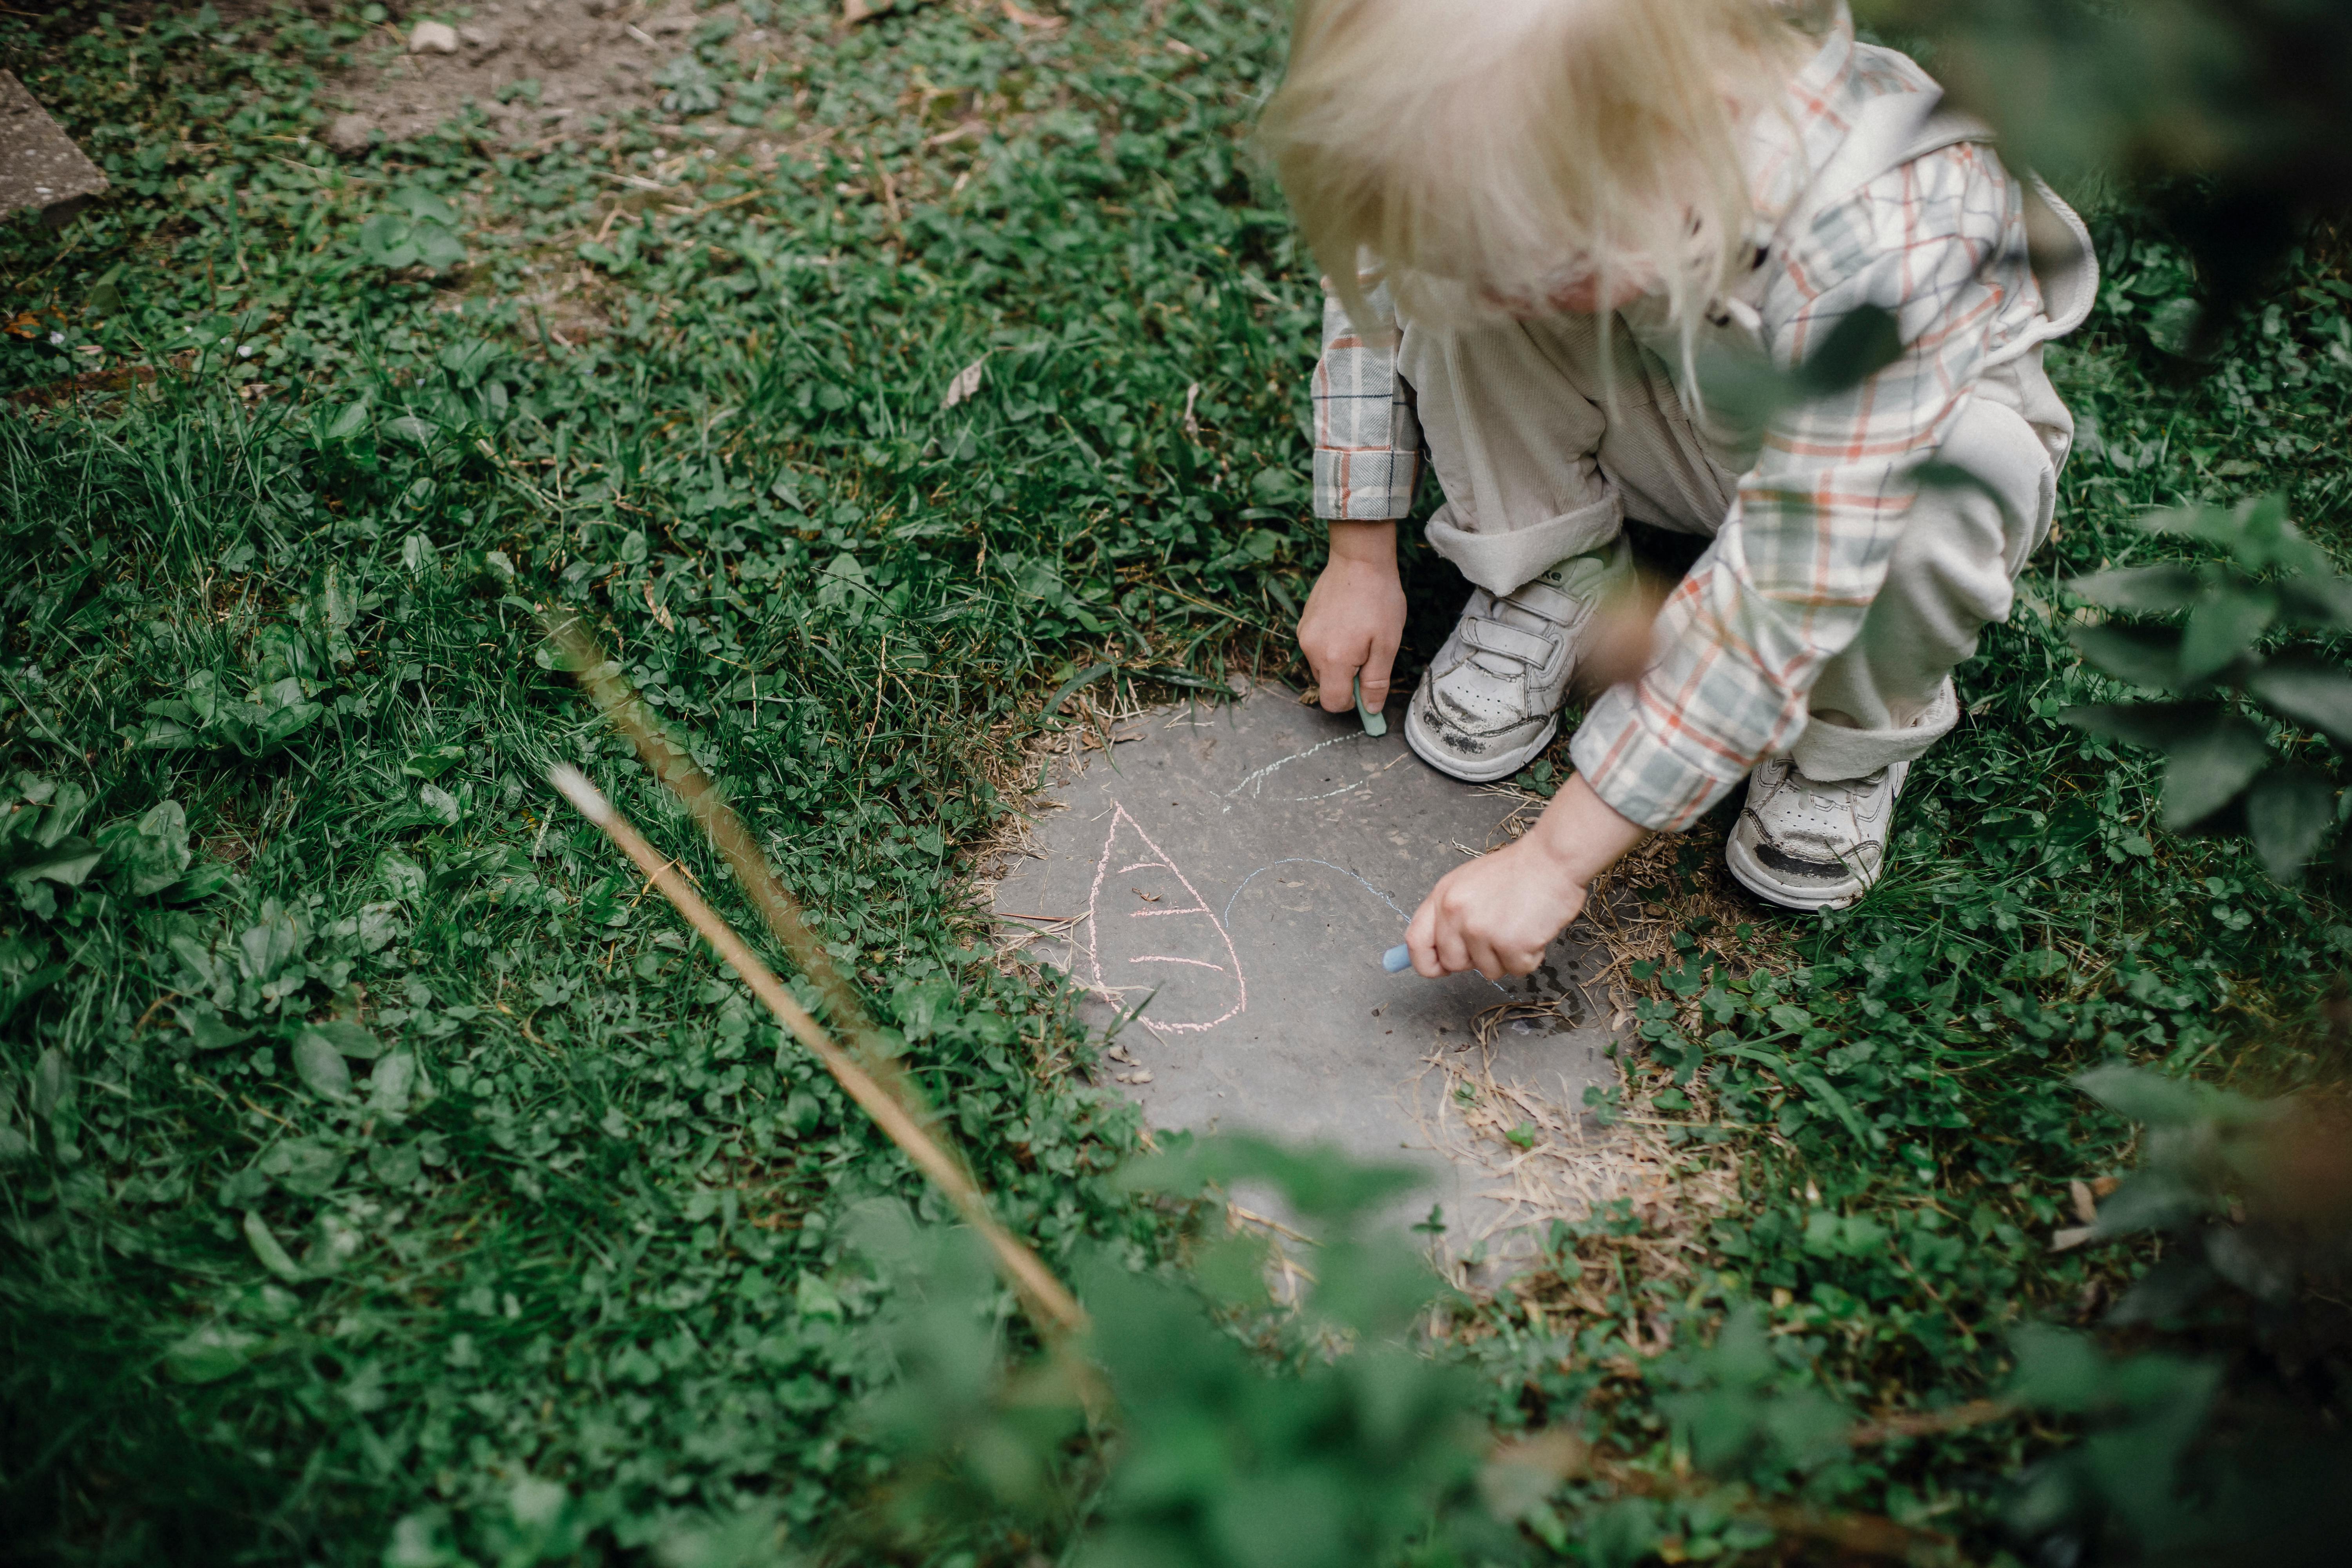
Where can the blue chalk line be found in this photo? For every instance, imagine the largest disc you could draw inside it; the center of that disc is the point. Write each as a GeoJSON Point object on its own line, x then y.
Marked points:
{"type": "Point", "coordinates": [1396, 960]}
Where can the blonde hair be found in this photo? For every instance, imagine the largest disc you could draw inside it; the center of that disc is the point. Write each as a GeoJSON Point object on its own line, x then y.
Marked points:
{"type": "Point", "coordinates": [1487, 156]}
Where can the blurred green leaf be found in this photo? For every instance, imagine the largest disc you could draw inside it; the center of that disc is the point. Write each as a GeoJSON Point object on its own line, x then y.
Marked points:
{"type": "Point", "coordinates": [2308, 692]}
{"type": "Point", "coordinates": [1866, 341]}
{"type": "Point", "coordinates": [2172, 327]}
{"type": "Point", "coordinates": [2142, 1094]}
{"type": "Point", "coordinates": [2317, 598]}
{"type": "Point", "coordinates": [433, 762]}
{"type": "Point", "coordinates": [1749, 391]}
{"type": "Point", "coordinates": [753, 1537]}
{"type": "Point", "coordinates": [214, 1351]}
{"type": "Point", "coordinates": [2147, 657]}
{"type": "Point", "coordinates": [2159, 725]}
{"type": "Point", "coordinates": [320, 1064]}
{"type": "Point", "coordinates": [347, 1039]}
{"type": "Point", "coordinates": [2056, 1370]}
{"type": "Point", "coordinates": [384, 241]}
{"type": "Point", "coordinates": [2147, 590]}
{"type": "Point", "coordinates": [2204, 772]}
{"type": "Point", "coordinates": [211, 1032]}
{"type": "Point", "coordinates": [437, 249]}
{"type": "Point", "coordinates": [419, 203]}
{"type": "Point", "coordinates": [1808, 1427]}
{"type": "Point", "coordinates": [2289, 810]}
{"type": "Point", "coordinates": [2225, 623]}
{"type": "Point", "coordinates": [265, 1246]}
{"type": "Point", "coordinates": [1320, 1180]}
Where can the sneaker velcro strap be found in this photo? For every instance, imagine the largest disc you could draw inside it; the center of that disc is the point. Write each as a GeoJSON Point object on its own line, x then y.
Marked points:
{"type": "Point", "coordinates": [1494, 636]}
{"type": "Point", "coordinates": [1549, 600]}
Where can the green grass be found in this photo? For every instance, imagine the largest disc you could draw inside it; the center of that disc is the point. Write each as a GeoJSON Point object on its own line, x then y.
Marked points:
{"type": "Point", "coordinates": [578, 1227]}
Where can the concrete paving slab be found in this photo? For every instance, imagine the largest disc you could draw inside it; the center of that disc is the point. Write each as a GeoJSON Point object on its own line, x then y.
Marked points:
{"type": "Point", "coordinates": [40, 167]}
{"type": "Point", "coordinates": [1236, 871]}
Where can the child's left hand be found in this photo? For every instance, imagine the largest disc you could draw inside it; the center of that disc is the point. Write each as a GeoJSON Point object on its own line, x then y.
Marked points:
{"type": "Point", "coordinates": [1499, 913]}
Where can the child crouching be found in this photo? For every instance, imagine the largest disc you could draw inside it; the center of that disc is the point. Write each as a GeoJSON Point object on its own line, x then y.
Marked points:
{"type": "Point", "coordinates": [1538, 218]}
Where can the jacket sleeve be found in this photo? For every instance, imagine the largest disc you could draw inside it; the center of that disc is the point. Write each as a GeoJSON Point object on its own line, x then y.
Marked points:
{"type": "Point", "coordinates": [1367, 438]}
{"type": "Point", "coordinates": [1805, 548]}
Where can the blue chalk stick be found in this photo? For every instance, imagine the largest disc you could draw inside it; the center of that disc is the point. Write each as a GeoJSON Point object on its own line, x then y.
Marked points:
{"type": "Point", "coordinates": [1396, 959]}
{"type": "Point", "coordinates": [1375, 722]}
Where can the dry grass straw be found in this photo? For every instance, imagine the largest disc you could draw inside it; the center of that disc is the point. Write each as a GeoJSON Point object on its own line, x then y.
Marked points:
{"type": "Point", "coordinates": [869, 1077]}
{"type": "Point", "coordinates": [1540, 1160]}
{"type": "Point", "coordinates": [1544, 1160]}
{"type": "Point", "coordinates": [1021, 770]}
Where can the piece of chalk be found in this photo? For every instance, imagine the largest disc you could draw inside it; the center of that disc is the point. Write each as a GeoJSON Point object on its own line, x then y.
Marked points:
{"type": "Point", "coordinates": [1396, 959]}
{"type": "Point", "coordinates": [1376, 723]}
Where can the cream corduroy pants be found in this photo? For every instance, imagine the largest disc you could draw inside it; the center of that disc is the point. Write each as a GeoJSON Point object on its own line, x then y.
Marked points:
{"type": "Point", "coordinates": [1542, 455]}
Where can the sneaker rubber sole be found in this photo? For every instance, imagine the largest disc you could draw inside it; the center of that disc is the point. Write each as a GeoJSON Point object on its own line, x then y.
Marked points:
{"type": "Point", "coordinates": [1752, 875]}
{"type": "Point", "coordinates": [1485, 772]}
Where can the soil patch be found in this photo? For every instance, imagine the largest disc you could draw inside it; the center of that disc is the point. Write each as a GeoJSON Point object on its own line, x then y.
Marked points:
{"type": "Point", "coordinates": [535, 69]}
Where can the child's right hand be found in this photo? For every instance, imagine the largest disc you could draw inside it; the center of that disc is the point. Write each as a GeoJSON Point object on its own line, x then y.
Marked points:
{"type": "Point", "coordinates": [1354, 617]}
{"type": "Point", "coordinates": [1497, 914]}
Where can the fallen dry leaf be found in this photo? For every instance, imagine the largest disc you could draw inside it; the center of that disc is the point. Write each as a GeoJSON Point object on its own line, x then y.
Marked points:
{"type": "Point", "coordinates": [966, 383]}
{"type": "Point", "coordinates": [114, 380]}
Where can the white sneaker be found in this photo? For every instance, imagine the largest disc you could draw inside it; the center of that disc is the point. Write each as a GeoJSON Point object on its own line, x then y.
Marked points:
{"type": "Point", "coordinates": [1490, 700]}
{"type": "Point", "coordinates": [1808, 845]}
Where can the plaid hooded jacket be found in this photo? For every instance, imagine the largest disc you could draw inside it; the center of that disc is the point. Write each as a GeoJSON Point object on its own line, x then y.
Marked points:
{"type": "Point", "coordinates": [1939, 241]}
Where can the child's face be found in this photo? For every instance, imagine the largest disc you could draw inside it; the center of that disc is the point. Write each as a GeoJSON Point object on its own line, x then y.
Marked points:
{"type": "Point", "coordinates": [1582, 292]}
{"type": "Point", "coordinates": [1586, 295]}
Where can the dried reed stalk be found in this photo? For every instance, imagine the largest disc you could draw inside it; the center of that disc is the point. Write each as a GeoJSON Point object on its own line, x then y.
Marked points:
{"type": "Point", "coordinates": [869, 1077]}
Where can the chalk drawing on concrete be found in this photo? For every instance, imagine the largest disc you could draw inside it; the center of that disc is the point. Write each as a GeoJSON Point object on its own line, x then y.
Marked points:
{"type": "Point", "coordinates": [1306, 860]}
{"type": "Point", "coordinates": [1187, 1006]}
{"type": "Point", "coordinates": [1255, 781]}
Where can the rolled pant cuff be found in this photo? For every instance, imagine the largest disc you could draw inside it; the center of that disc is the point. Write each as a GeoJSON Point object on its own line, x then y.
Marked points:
{"type": "Point", "coordinates": [1832, 751]}
{"type": "Point", "coordinates": [1501, 562]}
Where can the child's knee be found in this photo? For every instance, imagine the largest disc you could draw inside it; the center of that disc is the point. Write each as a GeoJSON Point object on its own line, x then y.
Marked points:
{"type": "Point", "coordinates": [1990, 506]}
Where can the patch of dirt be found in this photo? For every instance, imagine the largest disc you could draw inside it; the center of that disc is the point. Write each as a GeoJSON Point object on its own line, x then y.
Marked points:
{"type": "Point", "coordinates": [1544, 1163]}
{"type": "Point", "coordinates": [537, 69]}
{"type": "Point", "coordinates": [130, 15]}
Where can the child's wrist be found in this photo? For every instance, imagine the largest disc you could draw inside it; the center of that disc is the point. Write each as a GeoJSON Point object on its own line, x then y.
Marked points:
{"type": "Point", "coordinates": [1363, 543]}
{"type": "Point", "coordinates": [1579, 835]}
{"type": "Point", "coordinates": [1556, 862]}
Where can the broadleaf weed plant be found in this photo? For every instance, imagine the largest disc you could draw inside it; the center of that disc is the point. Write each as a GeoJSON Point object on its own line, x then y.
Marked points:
{"type": "Point", "coordinates": [2217, 760]}
{"type": "Point", "coordinates": [2225, 1439]}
